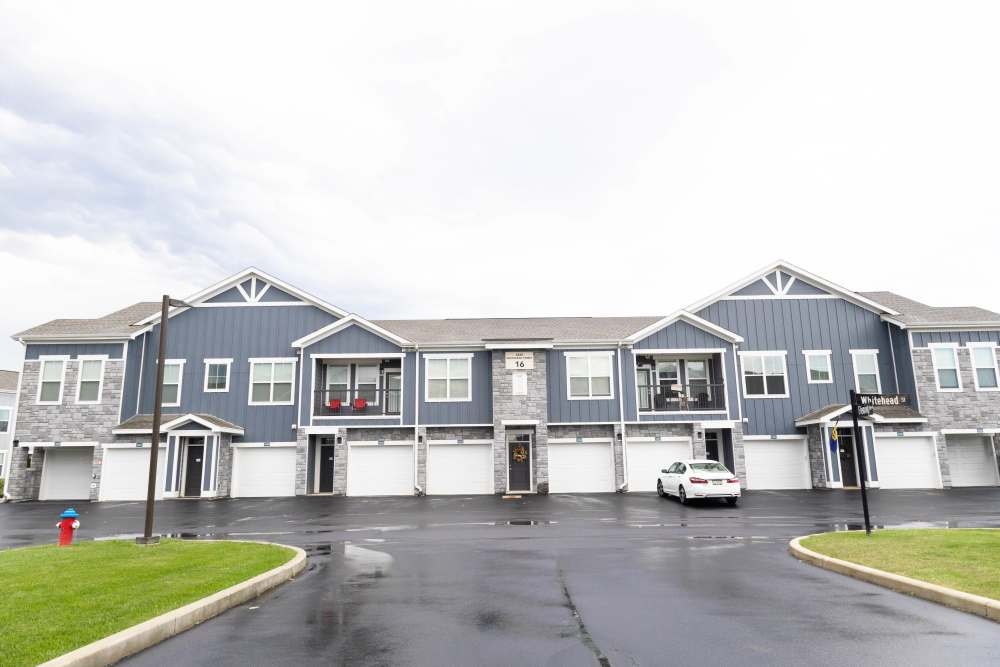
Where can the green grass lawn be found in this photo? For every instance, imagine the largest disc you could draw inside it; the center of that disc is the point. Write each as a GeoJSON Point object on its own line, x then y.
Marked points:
{"type": "Point", "coordinates": [54, 600]}
{"type": "Point", "coordinates": [965, 559]}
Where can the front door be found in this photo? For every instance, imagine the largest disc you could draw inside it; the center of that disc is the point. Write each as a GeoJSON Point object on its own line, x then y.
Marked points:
{"type": "Point", "coordinates": [393, 393]}
{"type": "Point", "coordinates": [519, 462]}
{"type": "Point", "coordinates": [713, 448]}
{"type": "Point", "coordinates": [848, 472]}
{"type": "Point", "coordinates": [192, 468]}
{"type": "Point", "coordinates": [326, 469]}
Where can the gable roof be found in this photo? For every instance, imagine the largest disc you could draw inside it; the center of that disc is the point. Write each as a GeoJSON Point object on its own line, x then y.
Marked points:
{"type": "Point", "coordinates": [119, 324]}
{"type": "Point", "coordinates": [886, 414]}
{"type": "Point", "coordinates": [484, 331]}
{"type": "Point", "coordinates": [690, 318]}
{"type": "Point", "coordinates": [794, 272]}
{"type": "Point", "coordinates": [341, 324]}
{"type": "Point", "coordinates": [915, 314]}
{"type": "Point", "coordinates": [143, 423]}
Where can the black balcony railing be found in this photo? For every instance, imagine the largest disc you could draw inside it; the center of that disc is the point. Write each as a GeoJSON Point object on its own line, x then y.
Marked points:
{"type": "Point", "coordinates": [692, 397]}
{"type": "Point", "coordinates": [357, 402]}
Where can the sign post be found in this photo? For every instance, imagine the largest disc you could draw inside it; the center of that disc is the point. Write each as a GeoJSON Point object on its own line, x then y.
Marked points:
{"type": "Point", "coordinates": [859, 447]}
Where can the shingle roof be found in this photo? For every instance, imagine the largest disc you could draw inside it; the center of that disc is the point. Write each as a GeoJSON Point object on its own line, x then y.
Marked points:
{"type": "Point", "coordinates": [554, 329]}
{"type": "Point", "coordinates": [8, 380]}
{"type": "Point", "coordinates": [144, 421]}
{"type": "Point", "coordinates": [118, 323]}
{"type": "Point", "coordinates": [887, 413]}
{"type": "Point", "coordinates": [916, 313]}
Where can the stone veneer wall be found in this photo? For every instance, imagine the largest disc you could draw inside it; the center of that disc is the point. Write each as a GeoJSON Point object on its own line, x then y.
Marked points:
{"type": "Point", "coordinates": [533, 406]}
{"type": "Point", "coordinates": [224, 471]}
{"type": "Point", "coordinates": [817, 462]}
{"type": "Point", "coordinates": [301, 461]}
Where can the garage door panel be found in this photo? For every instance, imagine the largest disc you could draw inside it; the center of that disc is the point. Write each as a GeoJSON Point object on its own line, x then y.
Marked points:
{"type": "Point", "coordinates": [454, 469]}
{"type": "Point", "coordinates": [380, 470]}
{"type": "Point", "coordinates": [646, 459]}
{"type": "Point", "coordinates": [777, 464]}
{"type": "Point", "coordinates": [125, 474]}
{"type": "Point", "coordinates": [67, 473]}
{"type": "Point", "coordinates": [581, 467]}
{"type": "Point", "coordinates": [263, 472]}
{"type": "Point", "coordinates": [971, 460]}
{"type": "Point", "coordinates": [907, 462]}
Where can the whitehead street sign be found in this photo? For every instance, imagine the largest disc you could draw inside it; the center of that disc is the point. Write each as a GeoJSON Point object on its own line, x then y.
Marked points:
{"type": "Point", "coordinates": [868, 403]}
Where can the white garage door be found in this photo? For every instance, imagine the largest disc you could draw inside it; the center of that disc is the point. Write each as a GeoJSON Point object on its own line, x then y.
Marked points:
{"type": "Point", "coordinates": [66, 473]}
{"type": "Point", "coordinates": [581, 467]}
{"type": "Point", "coordinates": [906, 462]}
{"type": "Point", "coordinates": [971, 460]}
{"type": "Point", "coordinates": [263, 472]}
{"type": "Point", "coordinates": [777, 464]}
{"type": "Point", "coordinates": [646, 459]}
{"type": "Point", "coordinates": [125, 474]}
{"type": "Point", "coordinates": [380, 470]}
{"type": "Point", "coordinates": [459, 469]}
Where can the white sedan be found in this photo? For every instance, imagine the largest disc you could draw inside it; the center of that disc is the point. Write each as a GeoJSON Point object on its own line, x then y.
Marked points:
{"type": "Point", "coordinates": [698, 478]}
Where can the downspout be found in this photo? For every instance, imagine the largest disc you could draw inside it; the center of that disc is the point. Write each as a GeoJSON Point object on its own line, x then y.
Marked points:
{"type": "Point", "coordinates": [416, 420]}
{"type": "Point", "coordinates": [621, 421]}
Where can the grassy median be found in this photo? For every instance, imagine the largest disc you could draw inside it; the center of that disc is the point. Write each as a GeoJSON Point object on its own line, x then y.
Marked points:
{"type": "Point", "coordinates": [54, 600]}
{"type": "Point", "coordinates": [964, 559]}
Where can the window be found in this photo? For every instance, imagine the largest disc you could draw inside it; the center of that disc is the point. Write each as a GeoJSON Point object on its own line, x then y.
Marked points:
{"type": "Point", "coordinates": [764, 375]}
{"type": "Point", "coordinates": [173, 375]}
{"type": "Point", "coordinates": [4, 421]}
{"type": "Point", "coordinates": [866, 376]}
{"type": "Point", "coordinates": [984, 366]}
{"type": "Point", "coordinates": [589, 375]}
{"type": "Point", "coordinates": [366, 382]}
{"type": "Point", "coordinates": [271, 381]}
{"type": "Point", "coordinates": [88, 388]}
{"type": "Point", "coordinates": [217, 375]}
{"type": "Point", "coordinates": [697, 376]}
{"type": "Point", "coordinates": [818, 369]}
{"type": "Point", "coordinates": [52, 372]}
{"type": "Point", "coordinates": [945, 360]}
{"type": "Point", "coordinates": [338, 383]}
{"type": "Point", "coordinates": [448, 378]}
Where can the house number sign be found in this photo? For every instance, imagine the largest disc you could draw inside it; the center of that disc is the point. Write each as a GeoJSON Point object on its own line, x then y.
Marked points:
{"type": "Point", "coordinates": [519, 361]}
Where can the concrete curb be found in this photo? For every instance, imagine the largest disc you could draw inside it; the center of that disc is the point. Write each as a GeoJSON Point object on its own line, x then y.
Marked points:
{"type": "Point", "coordinates": [129, 641]}
{"type": "Point", "coordinates": [967, 602]}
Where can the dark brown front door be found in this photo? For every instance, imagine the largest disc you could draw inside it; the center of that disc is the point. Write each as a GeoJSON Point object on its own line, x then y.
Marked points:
{"type": "Point", "coordinates": [519, 461]}
{"type": "Point", "coordinates": [192, 474]}
{"type": "Point", "coordinates": [847, 470]}
{"type": "Point", "coordinates": [326, 469]}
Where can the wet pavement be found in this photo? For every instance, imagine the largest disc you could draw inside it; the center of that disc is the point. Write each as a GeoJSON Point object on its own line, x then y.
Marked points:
{"type": "Point", "coordinates": [556, 580]}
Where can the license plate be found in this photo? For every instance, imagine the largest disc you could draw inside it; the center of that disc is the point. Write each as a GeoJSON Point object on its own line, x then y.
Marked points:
{"type": "Point", "coordinates": [717, 481]}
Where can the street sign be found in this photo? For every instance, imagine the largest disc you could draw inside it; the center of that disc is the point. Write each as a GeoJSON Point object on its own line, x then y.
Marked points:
{"type": "Point", "coordinates": [883, 400]}
{"type": "Point", "coordinates": [861, 455]}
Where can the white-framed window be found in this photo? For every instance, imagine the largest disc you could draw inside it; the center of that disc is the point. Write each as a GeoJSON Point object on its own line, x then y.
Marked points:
{"type": "Point", "coordinates": [51, 377]}
{"type": "Point", "coordinates": [366, 383]}
{"type": "Point", "coordinates": [173, 379]}
{"type": "Point", "coordinates": [4, 421]}
{"type": "Point", "coordinates": [338, 383]}
{"type": "Point", "coordinates": [272, 381]}
{"type": "Point", "coordinates": [588, 376]}
{"type": "Point", "coordinates": [945, 361]}
{"type": "Point", "coordinates": [985, 373]}
{"type": "Point", "coordinates": [867, 379]}
{"type": "Point", "coordinates": [217, 375]}
{"type": "Point", "coordinates": [448, 377]}
{"type": "Point", "coordinates": [818, 367]}
{"type": "Point", "coordinates": [765, 374]}
{"type": "Point", "coordinates": [90, 381]}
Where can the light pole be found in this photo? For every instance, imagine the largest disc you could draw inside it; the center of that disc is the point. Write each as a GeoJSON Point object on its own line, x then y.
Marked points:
{"type": "Point", "coordinates": [154, 447]}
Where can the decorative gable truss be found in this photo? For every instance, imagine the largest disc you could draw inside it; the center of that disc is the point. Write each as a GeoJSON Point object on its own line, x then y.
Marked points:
{"type": "Point", "coordinates": [777, 283]}
{"type": "Point", "coordinates": [256, 290]}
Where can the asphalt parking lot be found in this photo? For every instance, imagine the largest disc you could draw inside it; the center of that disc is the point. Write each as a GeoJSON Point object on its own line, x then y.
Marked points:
{"type": "Point", "coordinates": [556, 580]}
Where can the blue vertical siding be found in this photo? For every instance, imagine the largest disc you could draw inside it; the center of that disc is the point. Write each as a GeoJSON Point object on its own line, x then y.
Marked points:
{"type": "Point", "coordinates": [562, 409]}
{"type": "Point", "coordinates": [73, 350]}
{"type": "Point", "coordinates": [923, 338]}
{"type": "Point", "coordinates": [477, 411]}
{"type": "Point", "coordinates": [133, 373]}
{"type": "Point", "coordinates": [904, 363]}
{"type": "Point", "coordinates": [351, 340]}
{"type": "Point", "coordinates": [680, 334]}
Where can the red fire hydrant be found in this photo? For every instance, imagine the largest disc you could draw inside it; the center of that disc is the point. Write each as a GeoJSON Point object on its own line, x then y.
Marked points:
{"type": "Point", "coordinates": [67, 524]}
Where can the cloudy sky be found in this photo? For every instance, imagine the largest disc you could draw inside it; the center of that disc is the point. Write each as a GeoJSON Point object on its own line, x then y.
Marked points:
{"type": "Point", "coordinates": [430, 159]}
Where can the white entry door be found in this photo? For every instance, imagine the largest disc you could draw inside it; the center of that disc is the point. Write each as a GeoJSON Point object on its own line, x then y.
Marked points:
{"type": "Point", "coordinates": [380, 470]}
{"type": "Point", "coordinates": [971, 460]}
{"type": "Point", "coordinates": [646, 459]}
{"type": "Point", "coordinates": [263, 472]}
{"type": "Point", "coordinates": [777, 464]}
{"type": "Point", "coordinates": [125, 474]}
{"type": "Point", "coordinates": [581, 467]}
{"type": "Point", "coordinates": [66, 473]}
{"type": "Point", "coordinates": [454, 469]}
{"type": "Point", "coordinates": [907, 462]}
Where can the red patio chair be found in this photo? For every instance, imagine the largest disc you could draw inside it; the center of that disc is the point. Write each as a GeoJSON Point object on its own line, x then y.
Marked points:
{"type": "Point", "coordinates": [360, 404]}
{"type": "Point", "coordinates": [335, 404]}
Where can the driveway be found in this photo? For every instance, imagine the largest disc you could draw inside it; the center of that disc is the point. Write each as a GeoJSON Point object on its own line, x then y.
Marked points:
{"type": "Point", "coordinates": [556, 580]}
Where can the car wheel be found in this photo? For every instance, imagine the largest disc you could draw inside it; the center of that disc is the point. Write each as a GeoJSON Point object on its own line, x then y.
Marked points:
{"type": "Point", "coordinates": [682, 496]}
{"type": "Point", "coordinates": [732, 501]}
{"type": "Point", "coordinates": [659, 489]}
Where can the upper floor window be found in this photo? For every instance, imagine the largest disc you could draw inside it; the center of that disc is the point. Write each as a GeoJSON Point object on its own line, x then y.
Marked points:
{"type": "Point", "coordinates": [765, 374]}
{"type": "Point", "coordinates": [984, 365]}
{"type": "Point", "coordinates": [51, 376]}
{"type": "Point", "coordinates": [366, 383]}
{"type": "Point", "coordinates": [271, 381]}
{"type": "Point", "coordinates": [173, 377]}
{"type": "Point", "coordinates": [217, 375]}
{"type": "Point", "coordinates": [866, 375]}
{"type": "Point", "coordinates": [4, 420]}
{"type": "Point", "coordinates": [448, 378]}
{"type": "Point", "coordinates": [945, 361]}
{"type": "Point", "coordinates": [338, 382]}
{"type": "Point", "coordinates": [818, 368]}
{"type": "Point", "coordinates": [91, 380]}
{"type": "Point", "coordinates": [589, 375]}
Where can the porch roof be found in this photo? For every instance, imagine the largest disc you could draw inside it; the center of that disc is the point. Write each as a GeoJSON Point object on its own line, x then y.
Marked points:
{"type": "Point", "coordinates": [143, 423]}
{"type": "Point", "coordinates": [884, 415]}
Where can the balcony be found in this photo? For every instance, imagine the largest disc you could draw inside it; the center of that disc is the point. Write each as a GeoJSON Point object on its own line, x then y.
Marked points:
{"type": "Point", "coordinates": [693, 397]}
{"type": "Point", "coordinates": [357, 402]}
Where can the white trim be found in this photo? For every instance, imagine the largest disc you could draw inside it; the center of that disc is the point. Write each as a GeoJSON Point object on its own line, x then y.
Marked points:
{"type": "Point", "coordinates": [572, 441]}
{"type": "Point", "coordinates": [677, 350]}
{"type": "Point", "coordinates": [103, 358]}
{"type": "Point", "coordinates": [360, 355]}
{"type": "Point", "coordinates": [777, 297]}
{"type": "Point", "coordinates": [606, 423]}
{"type": "Point", "coordinates": [464, 441]}
{"type": "Point", "coordinates": [343, 417]}
{"type": "Point", "coordinates": [692, 319]}
{"type": "Point", "coordinates": [970, 431]}
{"type": "Point", "coordinates": [913, 371]}
{"type": "Point", "coordinates": [345, 322]}
{"type": "Point", "coordinates": [269, 445]}
{"type": "Point", "coordinates": [59, 444]}
{"type": "Point", "coordinates": [829, 365]}
{"type": "Point", "coordinates": [892, 357]}
{"type": "Point", "coordinates": [521, 346]}
{"type": "Point", "coordinates": [272, 361]}
{"type": "Point", "coordinates": [690, 412]}
{"type": "Point", "coordinates": [380, 443]}
{"type": "Point", "coordinates": [783, 354]}
{"type": "Point", "coordinates": [445, 355]}
{"type": "Point", "coordinates": [180, 380]}
{"type": "Point", "coordinates": [467, 357]}
{"type": "Point", "coordinates": [905, 434]}
{"type": "Point", "coordinates": [953, 347]}
{"type": "Point", "coordinates": [590, 376]}
{"type": "Point", "coordinates": [972, 362]}
{"type": "Point", "coordinates": [665, 438]}
{"type": "Point", "coordinates": [217, 362]}
{"type": "Point", "coordinates": [776, 437]}
{"type": "Point", "coordinates": [854, 368]}
{"type": "Point", "coordinates": [251, 304]}
{"type": "Point", "coordinates": [42, 360]}
{"type": "Point", "coordinates": [131, 445]}
{"type": "Point", "coordinates": [514, 422]}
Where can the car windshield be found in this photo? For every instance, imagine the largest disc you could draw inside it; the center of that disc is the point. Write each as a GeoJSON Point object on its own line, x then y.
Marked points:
{"type": "Point", "coordinates": [709, 467]}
